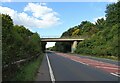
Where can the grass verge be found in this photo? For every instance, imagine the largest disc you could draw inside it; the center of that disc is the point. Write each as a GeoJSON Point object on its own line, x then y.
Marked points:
{"type": "Point", "coordinates": [28, 71]}
{"type": "Point", "coordinates": [101, 56]}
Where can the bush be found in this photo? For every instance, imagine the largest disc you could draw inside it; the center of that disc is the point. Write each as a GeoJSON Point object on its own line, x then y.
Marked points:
{"type": "Point", "coordinates": [17, 43]}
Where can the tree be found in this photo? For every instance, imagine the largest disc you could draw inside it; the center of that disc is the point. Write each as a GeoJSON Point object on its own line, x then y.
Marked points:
{"type": "Point", "coordinates": [102, 36]}
{"type": "Point", "coordinates": [100, 24]}
{"type": "Point", "coordinates": [17, 43]}
{"type": "Point", "coordinates": [76, 32]}
{"type": "Point", "coordinates": [113, 14]}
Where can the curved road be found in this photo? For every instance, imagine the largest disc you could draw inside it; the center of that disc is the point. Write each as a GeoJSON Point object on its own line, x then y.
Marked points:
{"type": "Point", "coordinates": [68, 68]}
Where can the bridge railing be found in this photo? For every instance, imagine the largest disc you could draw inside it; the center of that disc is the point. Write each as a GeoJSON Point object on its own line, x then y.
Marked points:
{"type": "Point", "coordinates": [50, 36]}
{"type": "Point", "coordinates": [68, 37]}
{"type": "Point", "coordinates": [75, 37]}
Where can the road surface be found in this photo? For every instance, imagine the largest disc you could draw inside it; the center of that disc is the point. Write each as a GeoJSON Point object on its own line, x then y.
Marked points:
{"type": "Point", "coordinates": [64, 67]}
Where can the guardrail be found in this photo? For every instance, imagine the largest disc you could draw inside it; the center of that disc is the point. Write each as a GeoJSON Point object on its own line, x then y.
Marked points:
{"type": "Point", "coordinates": [10, 70]}
{"type": "Point", "coordinates": [19, 61]}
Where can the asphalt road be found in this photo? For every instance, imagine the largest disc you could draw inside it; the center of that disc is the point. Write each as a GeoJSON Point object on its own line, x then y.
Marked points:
{"type": "Point", "coordinates": [65, 69]}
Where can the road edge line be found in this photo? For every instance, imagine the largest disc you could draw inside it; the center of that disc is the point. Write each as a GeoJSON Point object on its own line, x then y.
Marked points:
{"type": "Point", "coordinates": [50, 70]}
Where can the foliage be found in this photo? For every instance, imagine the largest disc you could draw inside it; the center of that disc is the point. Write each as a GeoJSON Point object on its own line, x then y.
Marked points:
{"type": "Point", "coordinates": [17, 43]}
{"type": "Point", "coordinates": [105, 41]}
{"type": "Point", "coordinates": [100, 23]}
{"type": "Point", "coordinates": [113, 14]}
{"type": "Point", "coordinates": [85, 29]}
{"type": "Point", "coordinates": [29, 70]}
{"type": "Point", "coordinates": [102, 36]}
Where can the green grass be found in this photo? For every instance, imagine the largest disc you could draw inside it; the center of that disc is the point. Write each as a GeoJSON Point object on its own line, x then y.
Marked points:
{"type": "Point", "coordinates": [108, 57]}
{"type": "Point", "coordinates": [105, 57]}
{"type": "Point", "coordinates": [101, 56]}
{"type": "Point", "coordinates": [28, 71]}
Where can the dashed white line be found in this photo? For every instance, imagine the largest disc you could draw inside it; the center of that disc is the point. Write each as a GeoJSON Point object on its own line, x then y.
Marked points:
{"type": "Point", "coordinates": [115, 74]}
{"type": "Point", "coordinates": [75, 60]}
{"type": "Point", "coordinates": [50, 70]}
{"type": "Point", "coordinates": [79, 62]}
{"type": "Point", "coordinates": [83, 63]}
{"type": "Point", "coordinates": [106, 67]}
{"type": "Point", "coordinates": [97, 66]}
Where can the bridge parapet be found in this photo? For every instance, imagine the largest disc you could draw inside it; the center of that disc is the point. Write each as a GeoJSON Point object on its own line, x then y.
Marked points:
{"type": "Point", "coordinates": [61, 39]}
{"type": "Point", "coordinates": [65, 37]}
{"type": "Point", "coordinates": [74, 37]}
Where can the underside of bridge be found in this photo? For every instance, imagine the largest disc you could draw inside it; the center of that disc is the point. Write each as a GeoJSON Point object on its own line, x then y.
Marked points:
{"type": "Point", "coordinates": [74, 42]}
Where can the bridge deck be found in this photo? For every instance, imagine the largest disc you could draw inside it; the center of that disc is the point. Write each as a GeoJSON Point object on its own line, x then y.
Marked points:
{"type": "Point", "coordinates": [60, 39]}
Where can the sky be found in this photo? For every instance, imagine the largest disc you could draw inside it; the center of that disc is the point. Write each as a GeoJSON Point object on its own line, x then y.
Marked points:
{"type": "Point", "coordinates": [51, 19]}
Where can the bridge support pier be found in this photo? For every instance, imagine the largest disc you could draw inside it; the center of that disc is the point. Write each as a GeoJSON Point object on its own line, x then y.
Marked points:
{"type": "Point", "coordinates": [73, 47]}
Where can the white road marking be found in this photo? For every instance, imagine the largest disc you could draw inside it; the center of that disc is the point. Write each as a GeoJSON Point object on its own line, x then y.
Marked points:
{"type": "Point", "coordinates": [50, 70]}
{"type": "Point", "coordinates": [79, 62]}
{"type": "Point", "coordinates": [75, 60]}
{"type": "Point", "coordinates": [83, 63]}
{"type": "Point", "coordinates": [115, 74]}
{"type": "Point", "coordinates": [107, 67]}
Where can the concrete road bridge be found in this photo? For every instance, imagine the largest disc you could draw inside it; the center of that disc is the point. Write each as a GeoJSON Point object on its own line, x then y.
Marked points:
{"type": "Point", "coordinates": [65, 39]}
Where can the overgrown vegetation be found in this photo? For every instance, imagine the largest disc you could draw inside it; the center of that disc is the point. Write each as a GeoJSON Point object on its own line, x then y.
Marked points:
{"type": "Point", "coordinates": [29, 70]}
{"type": "Point", "coordinates": [18, 43]}
{"type": "Point", "coordinates": [102, 37]}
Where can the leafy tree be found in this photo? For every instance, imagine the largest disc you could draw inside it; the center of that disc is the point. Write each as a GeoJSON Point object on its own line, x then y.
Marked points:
{"type": "Point", "coordinates": [102, 36]}
{"type": "Point", "coordinates": [113, 14]}
{"type": "Point", "coordinates": [100, 24]}
{"type": "Point", "coordinates": [76, 32]}
{"type": "Point", "coordinates": [17, 43]}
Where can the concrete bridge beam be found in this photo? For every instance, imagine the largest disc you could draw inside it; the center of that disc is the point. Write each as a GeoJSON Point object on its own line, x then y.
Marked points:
{"type": "Point", "coordinates": [73, 47]}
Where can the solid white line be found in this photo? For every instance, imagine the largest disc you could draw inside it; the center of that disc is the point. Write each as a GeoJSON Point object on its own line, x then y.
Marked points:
{"type": "Point", "coordinates": [115, 74]}
{"type": "Point", "coordinates": [50, 70]}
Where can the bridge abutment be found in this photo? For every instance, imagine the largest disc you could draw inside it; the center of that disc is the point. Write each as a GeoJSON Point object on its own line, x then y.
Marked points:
{"type": "Point", "coordinates": [73, 47]}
